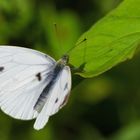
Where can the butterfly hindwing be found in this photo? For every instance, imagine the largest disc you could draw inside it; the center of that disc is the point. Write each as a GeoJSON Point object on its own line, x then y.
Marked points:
{"type": "Point", "coordinates": [64, 87]}
{"type": "Point", "coordinates": [57, 97]}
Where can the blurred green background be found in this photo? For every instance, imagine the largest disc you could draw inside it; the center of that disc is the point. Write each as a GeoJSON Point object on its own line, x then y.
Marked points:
{"type": "Point", "coordinates": [106, 107]}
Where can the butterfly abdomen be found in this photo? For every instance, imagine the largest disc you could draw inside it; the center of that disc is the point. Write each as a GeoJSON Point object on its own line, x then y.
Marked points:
{"type": "Point", "coordinates": [40, 103]}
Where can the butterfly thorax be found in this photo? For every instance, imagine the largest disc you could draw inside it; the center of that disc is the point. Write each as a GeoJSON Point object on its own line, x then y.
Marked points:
{"type": "Point", "coordinates": [63, 61]}
{"type": "Point", "coordinates": [60, 64]}
{"type": "Point", "coordinates": [55, 73]}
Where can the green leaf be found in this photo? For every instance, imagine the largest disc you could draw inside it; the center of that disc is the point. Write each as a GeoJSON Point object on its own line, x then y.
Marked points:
{"type": "Point", "coordinates": [110, 41]}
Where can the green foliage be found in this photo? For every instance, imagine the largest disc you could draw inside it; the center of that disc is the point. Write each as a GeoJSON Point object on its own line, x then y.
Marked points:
{"type": "Point", "coordinates": [131, 132]}
{"type": "Point", "coordinates": [14, 18]}
{"type": "Point", "coordinates": [110, 41]}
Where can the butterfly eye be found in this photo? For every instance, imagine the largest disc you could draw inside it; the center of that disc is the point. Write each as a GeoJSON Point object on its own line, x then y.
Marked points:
{"type": "Point", "coordinates": [65, 58]}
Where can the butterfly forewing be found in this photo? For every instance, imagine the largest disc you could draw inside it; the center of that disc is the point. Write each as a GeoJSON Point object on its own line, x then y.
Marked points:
{"type": "Point", "coordinates": [23, 75]}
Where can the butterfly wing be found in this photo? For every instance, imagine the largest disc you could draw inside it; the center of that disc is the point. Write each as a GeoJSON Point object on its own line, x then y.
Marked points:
{"type": "Point", "coordinates": [57, 98]}
{"type": "Point", "coordinates": [23, 75]}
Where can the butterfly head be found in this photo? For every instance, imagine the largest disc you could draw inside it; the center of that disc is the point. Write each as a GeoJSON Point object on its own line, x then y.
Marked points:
{"type": "Point", "coordinates": [64, 60]}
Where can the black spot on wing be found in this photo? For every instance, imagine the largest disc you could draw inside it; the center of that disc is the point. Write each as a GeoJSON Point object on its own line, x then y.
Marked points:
{"type": "Point", "coordinates": [56, 100]}
{"type": "Point", "coordinates": [1, 68]}
{"type": "Point", "coordinates": [38, 75]}
{"type": "Point", "coordinates": [66, 86]}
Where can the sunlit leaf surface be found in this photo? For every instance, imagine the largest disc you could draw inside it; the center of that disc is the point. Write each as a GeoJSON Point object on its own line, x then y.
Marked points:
{"type": "Point", "coordinates": [110, 41]}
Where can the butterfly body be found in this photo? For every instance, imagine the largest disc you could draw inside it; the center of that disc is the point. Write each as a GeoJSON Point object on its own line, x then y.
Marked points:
{"type": "Point", "coordinates": [54, 74]}
{"type": "Point", "coordinates": [32, 84]}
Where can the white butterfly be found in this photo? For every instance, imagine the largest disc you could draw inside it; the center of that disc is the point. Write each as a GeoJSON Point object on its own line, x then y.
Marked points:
{"type": "Point", "coordinates": [32, 84]}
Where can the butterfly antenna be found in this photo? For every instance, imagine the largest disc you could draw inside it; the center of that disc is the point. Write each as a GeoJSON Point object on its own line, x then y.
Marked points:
{"type": "Point", "coordinates": [76, 45]}
{"type": "Point", "coordinates": [82, 66]}
{"type": "Point", "coordinates": [57, 35]}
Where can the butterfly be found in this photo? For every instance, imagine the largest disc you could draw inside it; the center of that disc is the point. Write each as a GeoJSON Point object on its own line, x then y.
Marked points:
{"type": "Point", "coordinates": [32, 84]}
